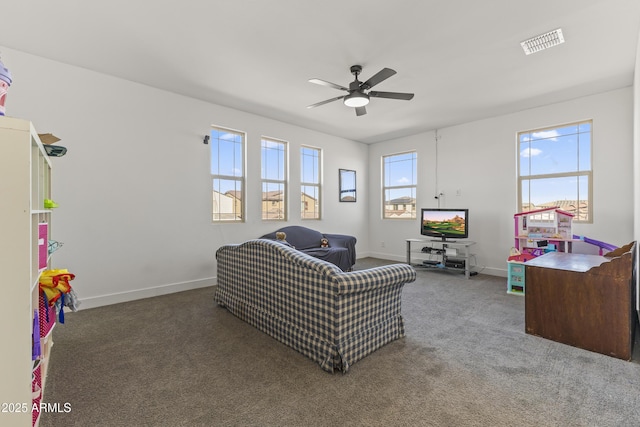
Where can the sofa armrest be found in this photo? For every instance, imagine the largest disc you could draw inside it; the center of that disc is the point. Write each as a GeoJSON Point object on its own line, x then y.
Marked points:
{"type": "Point", "coordinates": [373, 278]}
{"type": "Point", "coordinates": [343, 241]}
{"type": "Point", "coordinates": [340, 240]}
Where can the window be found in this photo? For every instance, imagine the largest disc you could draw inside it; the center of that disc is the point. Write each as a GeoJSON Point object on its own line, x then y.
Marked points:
{"type": "Point", "coordinates": [274, 179]}
{"type": "Point", "coordinates": [310, 182]}
{"type": "Point", "coordinates": [227, 173]}
{"type": "Point", "coordinates": [554, 169]}
{"type": "Point", "coordinates": [399, 173]}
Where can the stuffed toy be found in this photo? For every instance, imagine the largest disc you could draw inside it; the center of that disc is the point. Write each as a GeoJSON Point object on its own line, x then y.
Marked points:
{"type": "Point", "coordinates": [281, 237]}
{"type": "Point", "coordinates": [324, 243]}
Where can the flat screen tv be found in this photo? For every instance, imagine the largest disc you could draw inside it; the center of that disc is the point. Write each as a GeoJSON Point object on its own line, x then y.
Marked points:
{"type": "Point", "coordinates": [444, 223]}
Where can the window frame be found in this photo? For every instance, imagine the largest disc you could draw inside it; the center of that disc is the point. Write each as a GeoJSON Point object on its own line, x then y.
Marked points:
{"type": "Point", "coordinates": [413, 185]}
{"type": "Point", "coordinates": [578, 174]}
{"type": "Point", "coordinates": [240, 180]}
{"type": "Point", "coordinates": [318, 165]}
{"type": "Point", "coordinates": [269, 181]}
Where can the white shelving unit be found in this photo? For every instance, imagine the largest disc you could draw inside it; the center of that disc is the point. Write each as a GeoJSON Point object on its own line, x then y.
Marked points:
{"type": "Point", "coordinates": [25, 181]}
{"type": "Point", "coordinates": [441, 255]}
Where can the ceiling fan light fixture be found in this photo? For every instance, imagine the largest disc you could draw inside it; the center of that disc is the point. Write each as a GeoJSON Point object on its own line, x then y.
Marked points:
{"type": "Point", "coordinates": [543, 41]}
{"type": "Point", "coordinates": [358, 93]}
{"type": "Point", "coordinates": [356, 99]}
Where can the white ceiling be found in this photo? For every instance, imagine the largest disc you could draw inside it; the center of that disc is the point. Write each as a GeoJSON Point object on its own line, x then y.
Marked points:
{"type": "Point", "coordinates": [462, 59]}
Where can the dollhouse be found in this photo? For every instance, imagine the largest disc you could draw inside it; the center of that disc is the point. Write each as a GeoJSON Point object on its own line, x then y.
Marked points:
{"type": "Point", "coordinates": [537, 232]}
{"type": "Point", "coordinates": [540, 227]}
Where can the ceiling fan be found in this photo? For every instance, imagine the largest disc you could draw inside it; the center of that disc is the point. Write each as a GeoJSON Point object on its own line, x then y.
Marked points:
{"type": "Point", "coordinates": [359, 92]}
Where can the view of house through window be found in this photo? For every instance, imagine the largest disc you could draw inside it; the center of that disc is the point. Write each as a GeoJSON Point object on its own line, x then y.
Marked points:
{"type": "Point", "coordinates": [555, 169]}
{"type": "Point", "coordinates": [227, 174]}
{"type": "Point", "coordinates": [399, 173]}
{"type": "Point", "coordinates": [310, 183]}
{"type": "Point", "coordinates": [274, 179]}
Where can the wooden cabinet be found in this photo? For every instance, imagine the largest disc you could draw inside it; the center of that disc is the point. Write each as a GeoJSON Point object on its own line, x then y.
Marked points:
{"type": "Point", "coordinates": [586, 301]}
{"type": "Point", "coordinates": [25, 227]}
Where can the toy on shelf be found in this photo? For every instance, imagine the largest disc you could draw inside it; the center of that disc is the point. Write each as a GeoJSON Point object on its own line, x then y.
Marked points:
{"type": "Point", "coordinates": [50, 204]}
{"type": "Point", "coordinates": [57, 291]}
{"type": "Point", "coordinates": [54, 283]}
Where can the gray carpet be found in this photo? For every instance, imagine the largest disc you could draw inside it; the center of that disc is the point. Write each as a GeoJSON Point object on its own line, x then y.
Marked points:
{"type": "Point", "coordinates": [180, 360]}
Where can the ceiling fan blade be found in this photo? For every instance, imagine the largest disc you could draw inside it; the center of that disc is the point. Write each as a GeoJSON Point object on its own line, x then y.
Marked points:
{"type": "Point", "coordinates": [361, 111]}
{"type": "Point", "coordinates": [382, 75]}
{"type": "Point", "coordinates": [391, 95]}
{"type": "Point", "coordinates": [317, 104]}
{"type": "Point", "coordinates": [326, 83]}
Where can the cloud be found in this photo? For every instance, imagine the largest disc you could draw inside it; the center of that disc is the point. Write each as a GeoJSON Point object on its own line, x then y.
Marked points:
{"type": "Point", "coordinates": [530, 152]}
{"type": "Point", "coordinates": [267, 143]}
{"type": "Point", "coordinates": [404, 180]}
{"type": "Point", "coordinates": [546, 134]}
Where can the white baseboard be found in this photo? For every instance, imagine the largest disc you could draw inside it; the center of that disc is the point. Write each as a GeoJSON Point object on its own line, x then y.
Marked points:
{"type": "Point", "coordinates": [120, 297]}
{"type": "Point", "coordinates": [116, 298]}
{"type": "Point", "coordinates": [391, 257]}
{"type": "Point", "coordinates": [500, 272]}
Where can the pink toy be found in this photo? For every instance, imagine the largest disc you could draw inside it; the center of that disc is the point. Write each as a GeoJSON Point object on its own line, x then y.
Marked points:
{"type": "Point", "coordinates": [551, 223]}
{"type": "Point", "coordinates": [5, 82]}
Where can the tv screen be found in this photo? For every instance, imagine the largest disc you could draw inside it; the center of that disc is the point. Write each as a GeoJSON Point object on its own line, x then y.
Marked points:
{"type": "Point", "coordinates": [444, 223]}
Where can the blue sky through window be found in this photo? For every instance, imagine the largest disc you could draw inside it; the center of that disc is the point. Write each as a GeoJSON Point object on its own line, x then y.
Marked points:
{"type": "Point", "coordinates": [310, 162]}
{"type": "Point", "coordinates": [563, 150]}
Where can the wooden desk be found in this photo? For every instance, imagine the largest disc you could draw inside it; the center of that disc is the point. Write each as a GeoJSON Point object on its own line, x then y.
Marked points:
{"type": "Point", "coordinates": [586, 301]}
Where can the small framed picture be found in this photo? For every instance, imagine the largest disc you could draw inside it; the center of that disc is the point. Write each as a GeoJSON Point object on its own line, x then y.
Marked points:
{"type": "Point", "coordinates": [347, 185]}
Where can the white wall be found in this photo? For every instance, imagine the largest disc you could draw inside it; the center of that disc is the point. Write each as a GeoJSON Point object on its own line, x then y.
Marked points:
{"type": "Point", "coordinates": [135, 196]}
{"type": "Point", "coordinates": [479, 159]}
{"type": "Point", "coordinates": [134, 188]}
{"type": "Point", "coordinates": [636, 161]}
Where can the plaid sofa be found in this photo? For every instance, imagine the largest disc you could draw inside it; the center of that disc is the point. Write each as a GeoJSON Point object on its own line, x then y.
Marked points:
{"type": "Point", "coordinates": [333, 317]}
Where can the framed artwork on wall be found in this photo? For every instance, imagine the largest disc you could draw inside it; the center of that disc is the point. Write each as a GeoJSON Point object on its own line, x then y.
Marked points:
{"type": "Point", "coordinates": [347, 185]}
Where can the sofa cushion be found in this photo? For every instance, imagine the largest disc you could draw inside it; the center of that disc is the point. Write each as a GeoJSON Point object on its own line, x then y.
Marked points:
{"type": "Point", "coordinates": [337, 256]}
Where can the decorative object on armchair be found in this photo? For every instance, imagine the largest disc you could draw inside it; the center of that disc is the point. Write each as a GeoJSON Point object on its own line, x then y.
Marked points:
{"type": "Point", "coordinates": [340, 249]}
{"type": "Point", "coordinates": [282, 237]}
{"type": "Point", "coordinates": [333, 317]}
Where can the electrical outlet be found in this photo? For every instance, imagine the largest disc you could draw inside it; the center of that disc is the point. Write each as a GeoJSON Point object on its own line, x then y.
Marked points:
{"type": "Point", "coordinates": [382, 244]}
{"type": "Point", "coordinates": [458, 192]}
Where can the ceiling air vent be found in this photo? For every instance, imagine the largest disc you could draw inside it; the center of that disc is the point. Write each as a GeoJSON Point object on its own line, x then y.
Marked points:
{"type": "Point", "coordinates": [543, 41]}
